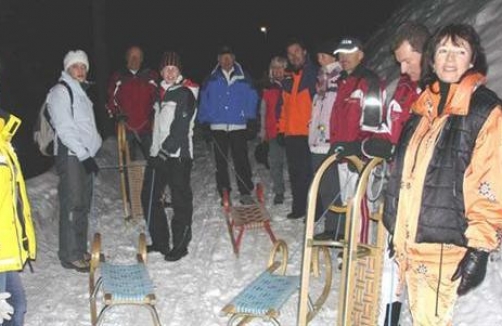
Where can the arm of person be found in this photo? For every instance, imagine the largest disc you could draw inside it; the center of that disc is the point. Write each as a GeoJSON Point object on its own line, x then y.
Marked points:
{"type": "Point", "coordinates": [62, 118]}
{"type": "Point", "coordinates": [180, 125]}
{"type": "Point", "coordinates": [483, 186]}
{"type": "Point", "coordinates": [203, 112]}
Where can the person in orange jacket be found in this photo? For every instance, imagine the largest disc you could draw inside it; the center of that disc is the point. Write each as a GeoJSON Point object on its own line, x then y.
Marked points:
{"type": "Point", "coordinates": [442, 203]}
{"type": "Point", "coordinates": [296, 108]}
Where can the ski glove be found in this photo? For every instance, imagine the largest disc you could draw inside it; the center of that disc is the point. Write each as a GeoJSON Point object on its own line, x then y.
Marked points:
{"type": "Point", "coordinates": [375, 147]}
{"type": "Point", "coordinates": [90, 166]}
{"type": "Point", "coordinates": [280, 140]}
{"type": "Point", "coordinates": [344, 149]}
{"type": "Point", "coordinates": [472, 269]}
{"type": "Point", "coordinates": [251, 129]}
{"type": "Point", "coordinates": [6, 310]}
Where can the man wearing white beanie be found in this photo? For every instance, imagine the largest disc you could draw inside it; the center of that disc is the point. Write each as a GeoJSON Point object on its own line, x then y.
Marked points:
{"type": "Point", "coordinates": [76, 143]}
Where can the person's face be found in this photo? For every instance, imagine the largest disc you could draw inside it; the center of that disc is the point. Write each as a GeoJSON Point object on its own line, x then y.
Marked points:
{"type": "Point", "coordinates": [325, 59]}
{"type": "Point", "coordinates": [134, 58]}
{"type": "Point", "coordinates": [78, 71]}
{"type": "Point", "coordinates": [277, 72]}
{"type": "Point", "coordinates": [226, 61]}
{"type": "Point", "coordinates": [170, 74]}
{"type": "Point", "coordinates": [349, 61]}
{"type": "Point", "coordinates": [409, 60]}
{"type": "Point", "coordinates": [451, 60]}
{"type": "Point", "coordinates": [296, 55]}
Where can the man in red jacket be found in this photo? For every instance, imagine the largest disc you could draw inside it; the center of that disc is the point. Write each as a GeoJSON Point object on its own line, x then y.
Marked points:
{"type": "Point", "coordinates": [131, 94]}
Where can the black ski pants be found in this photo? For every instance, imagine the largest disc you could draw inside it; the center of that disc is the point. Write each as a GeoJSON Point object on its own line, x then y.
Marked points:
{"type": "Point", "coordinates": [300, 171]}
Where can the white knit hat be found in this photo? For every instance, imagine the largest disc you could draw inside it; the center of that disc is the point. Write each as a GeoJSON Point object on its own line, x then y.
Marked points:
{"type": "Point", "coordinates": [77, 56]}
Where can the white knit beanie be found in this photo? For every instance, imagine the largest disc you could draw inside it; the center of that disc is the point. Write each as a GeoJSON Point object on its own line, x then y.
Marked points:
{"type": "Point", "coordinates": [77, 56]}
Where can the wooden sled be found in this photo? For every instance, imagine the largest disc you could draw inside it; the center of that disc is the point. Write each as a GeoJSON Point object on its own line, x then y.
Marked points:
{"type": "Point", "coordinates": [306, 313]}
{"type": "Point", "coordinates": [120, 284]}
{"type": "Point", "coordinates": [131, 176]}
{"type": "Point", "coordinates": [266, 294]}
{"type": "Point", "coordinates": [361, 280]}
{"type": "Point", "coordinates": [245, 217]}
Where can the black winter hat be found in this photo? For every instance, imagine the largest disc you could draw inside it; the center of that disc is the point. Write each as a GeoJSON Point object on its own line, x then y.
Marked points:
{"type": "Point", "coordinates": [170, 58]}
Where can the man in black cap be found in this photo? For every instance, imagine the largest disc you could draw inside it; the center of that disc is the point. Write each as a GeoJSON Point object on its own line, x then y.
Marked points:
{"type": "Point", "coordinates": [228, 103]}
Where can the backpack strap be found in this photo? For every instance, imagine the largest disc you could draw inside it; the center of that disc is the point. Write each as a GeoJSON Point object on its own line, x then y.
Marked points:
{"type": "Point", "coordinates": [65, 84]}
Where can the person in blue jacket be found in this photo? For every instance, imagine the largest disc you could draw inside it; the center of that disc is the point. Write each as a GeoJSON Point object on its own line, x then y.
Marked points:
{"type": "Point", "coordinates": [228, 104]}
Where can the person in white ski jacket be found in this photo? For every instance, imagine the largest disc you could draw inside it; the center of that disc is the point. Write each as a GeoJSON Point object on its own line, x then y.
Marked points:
{"type": "Point", "coordinates": [77, 142]}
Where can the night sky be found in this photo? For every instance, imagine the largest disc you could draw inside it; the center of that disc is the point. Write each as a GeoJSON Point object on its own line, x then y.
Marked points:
{"type": "Point", "coordinates": [36, 34]}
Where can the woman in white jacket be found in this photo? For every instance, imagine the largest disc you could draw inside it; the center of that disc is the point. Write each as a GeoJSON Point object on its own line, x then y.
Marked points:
{"type": "Point", "coordinates": [77, 142]}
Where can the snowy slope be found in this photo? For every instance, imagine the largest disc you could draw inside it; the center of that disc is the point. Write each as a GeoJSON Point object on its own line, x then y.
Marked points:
{"type": "Point", "coordinates": [191, 292]}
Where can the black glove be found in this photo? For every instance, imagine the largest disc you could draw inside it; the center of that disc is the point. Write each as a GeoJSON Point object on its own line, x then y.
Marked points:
{"type": "Point", "coordinates": [90, 166]}
{"type": "Point", "coordinates": [280, 139]}
{"type": "Point", "coordinates": [344, 149]}
{"type": "Point", "coordinates": [378, 148]}
{"type": "Point", "coordinates": [206, 132]}
{"type": "Point", "coordinates": [472, 269]}
{"type": "Point", "coordinates": [121, 117]}
{"type": "Point", "coordinates": [155, 162]}
{"type": "Point", "coordinates": [252, 129]}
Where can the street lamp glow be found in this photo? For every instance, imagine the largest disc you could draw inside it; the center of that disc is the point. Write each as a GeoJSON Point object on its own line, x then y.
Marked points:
{"type": "Point", "coordinates": [263, 29]}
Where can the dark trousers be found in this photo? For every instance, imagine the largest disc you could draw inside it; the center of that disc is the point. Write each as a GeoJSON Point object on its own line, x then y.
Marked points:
{"type": "Point", "coordinates": [17, 300]}
{"type": "Point", "coordinates": [236, 142]}
{"type": "Point", "coordinates": [139, 145]}
{"type": "Point", "coordinates": [175, 173]}
{"type": "Point", "coordinates": [329, 194]}
{"type": "Point", "coordinates": [300, 171]}
{"type": "Point", "coordinates": [74, 192]}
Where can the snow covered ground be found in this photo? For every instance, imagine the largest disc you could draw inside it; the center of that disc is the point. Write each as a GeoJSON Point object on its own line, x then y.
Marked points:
{"type": "Point", "coordinates": [192, 291]}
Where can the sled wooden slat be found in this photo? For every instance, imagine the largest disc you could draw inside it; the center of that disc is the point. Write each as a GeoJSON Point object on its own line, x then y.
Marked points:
{"type": "Point", "coordinates": [120, 284]}
{"type": "Point", "coordinates": [135, 173]}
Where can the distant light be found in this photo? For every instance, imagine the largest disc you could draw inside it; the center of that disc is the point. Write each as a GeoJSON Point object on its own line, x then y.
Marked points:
{"type": "Point", "coordinates": [263, 29]}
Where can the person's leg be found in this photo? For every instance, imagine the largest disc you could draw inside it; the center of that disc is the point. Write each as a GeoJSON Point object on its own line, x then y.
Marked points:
{"type": "Point", "coordinates": [17, 300]}
{"type": "Point", "coordinates": [431, 293]}
{"type": "Point", "coordinates": [154, 184]}
{"type": "Point", "coordinates": [182, 203]}
{"type": "Point", "coordinates": [276, 158]}
{"type": "Point", "coordinates": [300, 172]}
{"type": "Point", "coordinates": [74, 198]}
{"type": "Point", "coordinates": [240, 157]}
{"type": "Point", "coordinates": [220, 148]}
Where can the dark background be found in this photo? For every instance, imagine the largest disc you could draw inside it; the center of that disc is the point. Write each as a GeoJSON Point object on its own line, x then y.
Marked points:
{"type": "Point", "coordinates": [35, 35]}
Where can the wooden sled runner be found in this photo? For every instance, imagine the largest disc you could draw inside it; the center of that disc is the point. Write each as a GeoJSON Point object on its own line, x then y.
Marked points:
{"type": "Point", "coordinates": [264, 297]}
{"type": "Point", "coordinates": [131, 176]}
{"type": "Point", "coordinates": [246, 217]}
{"type": "Point", "coordinates": [311, 245]}
{"type": "Point", "coordinates": [120, 284]}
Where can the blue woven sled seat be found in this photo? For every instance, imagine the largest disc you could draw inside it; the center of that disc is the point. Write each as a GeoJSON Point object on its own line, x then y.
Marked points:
{"type": "Point", "coordinates": [266, 294]}
{"type": "Point", "coordinates": [126, 283]}
{"type": "Point", "coordinates": [120, 284]}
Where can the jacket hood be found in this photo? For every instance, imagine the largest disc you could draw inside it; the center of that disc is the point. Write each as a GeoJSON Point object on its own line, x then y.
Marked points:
{"type": "Point", "coordinates": [9, 124]}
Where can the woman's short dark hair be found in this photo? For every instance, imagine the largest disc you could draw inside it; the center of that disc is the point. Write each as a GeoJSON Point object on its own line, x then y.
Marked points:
{"type": "Point", "coordinates": [455, 32]}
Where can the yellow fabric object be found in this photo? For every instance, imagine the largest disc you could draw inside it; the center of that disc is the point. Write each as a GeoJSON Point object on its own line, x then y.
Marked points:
{"type": "Point", "coordinates": [426, 268]}
{"type": "Point", "coordinates": [17, 234]}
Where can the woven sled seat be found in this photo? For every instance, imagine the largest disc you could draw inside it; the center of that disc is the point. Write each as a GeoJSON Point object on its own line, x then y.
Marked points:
{"type": "Point", "coordinates": [266, 294]}
{"type": "Point", "coordinates": [126, 283]}
{"type": "Point", "coordinates": [246, 217]}
{"type": "Point", "coordinates": [120, 284]}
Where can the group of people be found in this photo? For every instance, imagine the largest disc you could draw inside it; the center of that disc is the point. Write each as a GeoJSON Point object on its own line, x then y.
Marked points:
{"type": "Point", "coordinates": [440, 129]}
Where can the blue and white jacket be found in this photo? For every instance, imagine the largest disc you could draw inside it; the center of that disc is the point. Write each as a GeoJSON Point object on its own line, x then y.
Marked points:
{"type": "Point", "coordinates": [231, 102]}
